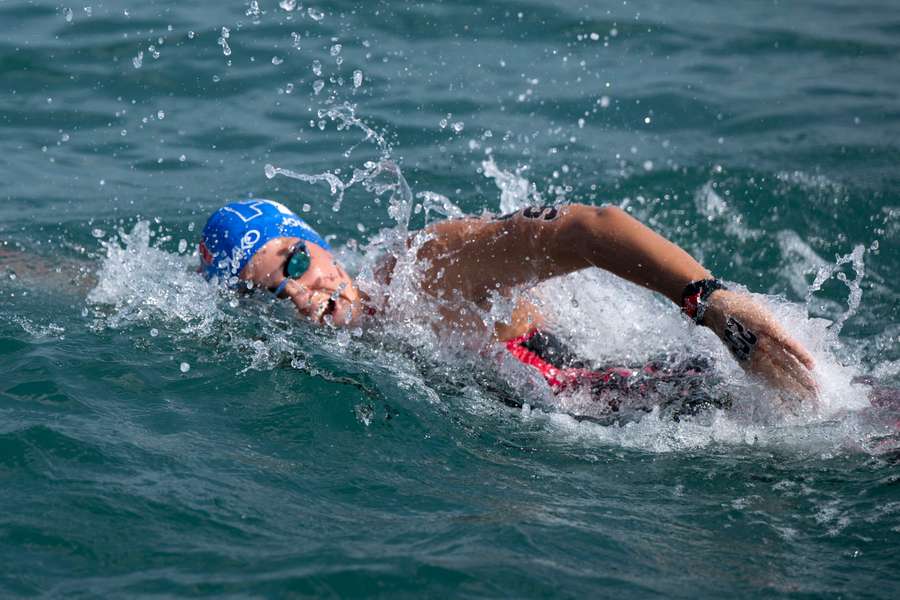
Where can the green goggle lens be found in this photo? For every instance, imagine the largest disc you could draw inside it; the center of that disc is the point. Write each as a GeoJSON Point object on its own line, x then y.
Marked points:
{"type": "Point", "coordinates": [297, 263]}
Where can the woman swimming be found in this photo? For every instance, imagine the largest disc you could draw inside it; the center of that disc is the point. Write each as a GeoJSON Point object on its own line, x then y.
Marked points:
{"type": "Point", "coordinates": [263, 244]}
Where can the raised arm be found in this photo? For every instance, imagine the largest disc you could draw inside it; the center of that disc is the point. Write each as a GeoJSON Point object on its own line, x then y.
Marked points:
{"type": "Point", "coordinates": [473, 257]}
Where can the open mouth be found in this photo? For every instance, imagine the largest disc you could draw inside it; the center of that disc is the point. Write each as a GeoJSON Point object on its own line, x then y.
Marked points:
{"type": "Point", "coordinates": [326, 309]}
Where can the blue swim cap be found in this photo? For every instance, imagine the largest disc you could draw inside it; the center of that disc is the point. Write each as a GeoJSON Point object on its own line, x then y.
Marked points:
{"type": "Point", "coordinates": [235, 232]}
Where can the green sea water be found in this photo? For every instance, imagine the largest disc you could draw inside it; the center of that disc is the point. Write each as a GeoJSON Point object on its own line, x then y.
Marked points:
{"type": "Point", "coordinates": [163, 438]}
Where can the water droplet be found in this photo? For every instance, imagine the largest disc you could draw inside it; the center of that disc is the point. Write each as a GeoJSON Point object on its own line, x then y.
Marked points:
{"type": "Point", "coordinates": [182, 158]}
{"type": "Point", "coordinates": [315, 14]}
{"type": "Point", "coordinates": [603, 101]}
{"type": "Point", "coordinates": [360, 228]}
{"type": "Point", "coordinates": [97, 232]}
{"type": "Point", "coordinates": [458, 126]}
{"type": "Point", "coordinates": [648, 165]}
{"type": "Point", "coordinates": [182, 246]}
{"type": "Point", "coordinates": [223, 41]}
{"type": "Point", "coordinates": [154, 332]}
{"type": "Point", "coordinates": [289, 88]}
{"type": "Point", "coordinates": [357, 78]}
{"type": "Point", "coordinates": [160, 115]}
{"type": "Point", "coordinates": [646, 120]}
{"type": "Point", "coordinates": [185, 367]}
{"type": "Point", "coordinates": [270, 171]}
{"type": "Point", "coordinates": [277, 61]}
{"type": "Point", "coordinates": [595, 36]}
{"type": "Point", "coordinates": [306, 208]}
{"type": "Point", "coordinates": [191, 35]}
{"type": "Point", "coordinates": [65, 137]}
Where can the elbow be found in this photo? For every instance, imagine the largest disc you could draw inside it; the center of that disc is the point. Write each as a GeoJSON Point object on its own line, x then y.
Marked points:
{"type": "Point", "coordinates": [592, 218]}
{"type": "Point", "coordinates": [586, 224]}
{"type": "Point", "coordinates": [604, 214]}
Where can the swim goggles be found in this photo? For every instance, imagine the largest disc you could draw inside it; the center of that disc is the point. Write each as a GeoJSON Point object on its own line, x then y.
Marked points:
{"type": "Point", "coordinates": [295, 266]}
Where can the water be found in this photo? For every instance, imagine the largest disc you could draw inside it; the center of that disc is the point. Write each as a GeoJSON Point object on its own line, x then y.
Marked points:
{"type": "Point", "coordinates": [161, 438]}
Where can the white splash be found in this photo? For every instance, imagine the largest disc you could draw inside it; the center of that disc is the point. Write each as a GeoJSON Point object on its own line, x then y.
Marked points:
{"type": "Point", "coordinates": [826, 272]}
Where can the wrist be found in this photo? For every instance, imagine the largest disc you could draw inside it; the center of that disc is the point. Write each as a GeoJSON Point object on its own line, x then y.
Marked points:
{"type": "Point", "coordinates": [695, 298]}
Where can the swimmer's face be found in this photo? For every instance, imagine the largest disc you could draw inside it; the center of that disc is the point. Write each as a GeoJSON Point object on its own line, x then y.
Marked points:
{"type": "Point", "coordinates": [323, 291]}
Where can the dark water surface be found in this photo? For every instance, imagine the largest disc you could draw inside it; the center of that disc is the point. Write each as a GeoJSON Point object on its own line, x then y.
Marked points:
{"type": "Point", "coordinates": [160, 438]}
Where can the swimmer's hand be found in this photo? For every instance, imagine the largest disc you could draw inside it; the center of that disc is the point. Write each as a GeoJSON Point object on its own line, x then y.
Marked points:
{"type": "Point", "coordinates": [760, 345]}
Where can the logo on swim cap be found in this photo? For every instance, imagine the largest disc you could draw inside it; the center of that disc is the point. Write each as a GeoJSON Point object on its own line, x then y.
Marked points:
{"type": "Point", "coordinates": [235, 232]}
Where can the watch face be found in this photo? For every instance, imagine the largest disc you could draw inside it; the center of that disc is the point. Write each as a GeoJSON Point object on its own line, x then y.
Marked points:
{"type": "Point", "coordinates": [297, 263]}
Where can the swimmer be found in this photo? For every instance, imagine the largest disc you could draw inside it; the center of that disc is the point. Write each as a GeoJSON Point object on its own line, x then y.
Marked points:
{"type": "Point", "coordinates": [256, 244]}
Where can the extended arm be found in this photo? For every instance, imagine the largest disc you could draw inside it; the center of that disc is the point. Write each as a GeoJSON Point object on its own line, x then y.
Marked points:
{"type": "Point", "coordinates": [474, 257]}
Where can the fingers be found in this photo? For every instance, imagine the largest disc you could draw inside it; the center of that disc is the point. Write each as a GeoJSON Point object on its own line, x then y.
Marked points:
{"type": "Point", "coordinates": [780, 367]}
{"type": "Point", "coordinates": [781, 337]}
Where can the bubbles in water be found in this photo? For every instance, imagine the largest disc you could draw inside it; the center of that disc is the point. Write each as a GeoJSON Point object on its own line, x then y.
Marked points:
{"type": "Point", "coordinates": [253, 10]}
{"type": "Point", "coordinates": [67, 12]}
{"type": "Point", "coordinates": [185, 367]}
{"type": "Point", "coordinates": [223, 41]}
{"type": "Point", "coordinates": [138, 60]}
{"type": "Point", "coordinates": [154, 332]}
{"type": "Point", "coordinates": [277, 61]}
{"type": "Point", "coordinates": [295, 40]}
{"type": "Point", "coordinates": [182, 246]}
{"type": "Point", "coordinates": [160, 115]}
{"type": "Point", "coordinates": [603, 101]}
{"type": "Point", "coordinates": [335, 50]}
{"type": "Point", "coordinates": [318, 84]}
{"type": "Point", "coordinates": [98, 233]}
{"type": "Point", "coordinates": [270, 171]}
{"type": "Point", "coordinates": [288, 5]}
{"type": "Point", "coordinates": [357, 78]}
{"type": "Point", "coordinates": [315, 14]}
{"type": "Point", "coordinates": [317, 68]}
